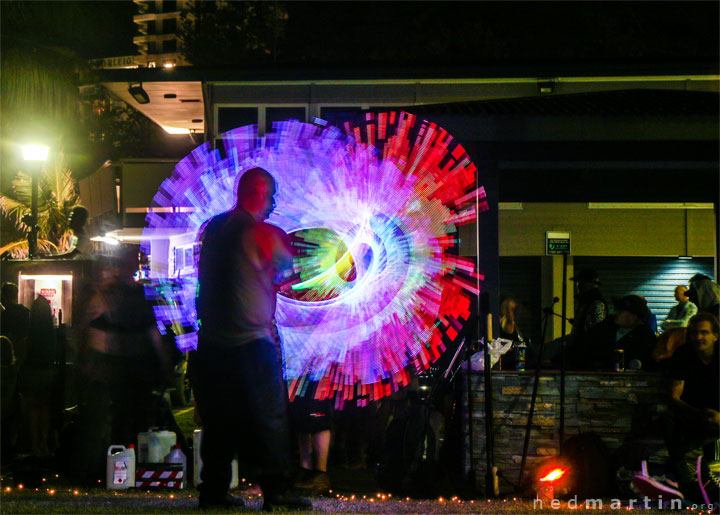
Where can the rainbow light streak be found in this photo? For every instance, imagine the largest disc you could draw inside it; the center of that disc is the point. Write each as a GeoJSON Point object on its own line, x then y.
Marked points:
{"type": "Point", "coordinates": [378, 289]}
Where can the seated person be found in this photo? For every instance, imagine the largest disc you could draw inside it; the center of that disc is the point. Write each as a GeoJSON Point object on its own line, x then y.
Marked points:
{"type": "Point", "coordinates": [694, 418]}
{"type": "Point", "coordinates": [680, 314]}
{"type": "Point", "coordinates": [628, 330]}
{"type": "Point", "coordinates": [509, 310]}
{"type": "Point", "coordinates": [705, 294]}
{"type": "Point", "coordinates": [80, 244]}
{"type": "Point", "coordinates": [633, 334]}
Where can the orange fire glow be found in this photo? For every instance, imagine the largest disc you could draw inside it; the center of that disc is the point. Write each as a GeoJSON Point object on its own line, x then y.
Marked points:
{"type": "Point", "coordinates": [554, 475]}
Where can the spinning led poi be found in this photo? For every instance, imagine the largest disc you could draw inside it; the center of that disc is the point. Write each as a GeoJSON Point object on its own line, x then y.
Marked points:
{"type": "Point", "coordinates": [378, 288]}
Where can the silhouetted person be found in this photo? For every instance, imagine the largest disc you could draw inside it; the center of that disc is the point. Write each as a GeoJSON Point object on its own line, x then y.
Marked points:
{"type": "Point", "coordinates": [122, 360]}
{"type": "Point", "coordinates": [627, 330]}
{"type": "Point", "coordinates": [694, 419]}
{"type": "Point", "coordinates": [15, 320]}
{"type": "Point", "coordinates": [15, 326]}
{"type": "Point", "coordinates": [80, 244]}
{"type": "Point", "coordinates": [590, 306]}
{"type": "Point", "coordinates": [312, 420]}
{"type": "Point", "coordinates": [509, 310]}
{"type": "Point", "coordinates": [705, 294]}
{"type": "Point", "coordinates": [632, 332]}
{"type": "Point", "coordinates": [237, 369]}
{"type": "Point", "coordinates": [38, 377]}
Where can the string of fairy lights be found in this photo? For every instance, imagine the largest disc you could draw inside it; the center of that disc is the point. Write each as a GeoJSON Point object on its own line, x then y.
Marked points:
{"type": "Point", "coordinates": [331, 501]}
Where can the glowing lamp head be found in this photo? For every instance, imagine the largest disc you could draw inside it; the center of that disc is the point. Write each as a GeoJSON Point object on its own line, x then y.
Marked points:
{"type": "Point", "coordinates": [35, 152]}
{"type": "Point", "coordinates": [553, 475]}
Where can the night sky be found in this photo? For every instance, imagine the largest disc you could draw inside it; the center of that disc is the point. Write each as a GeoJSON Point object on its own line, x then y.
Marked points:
{"type": "Point", "coordinates": [429, 33]}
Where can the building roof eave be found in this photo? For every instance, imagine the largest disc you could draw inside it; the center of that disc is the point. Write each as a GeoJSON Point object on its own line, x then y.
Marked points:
{"type": "Point", "coordinates": [586, 71]}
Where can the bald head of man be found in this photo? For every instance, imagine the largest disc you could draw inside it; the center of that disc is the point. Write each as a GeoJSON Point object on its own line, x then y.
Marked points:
{"type": "Point", "coordinates": [255, 193]}
{"type": "Point", "coordinates": [680, 294]}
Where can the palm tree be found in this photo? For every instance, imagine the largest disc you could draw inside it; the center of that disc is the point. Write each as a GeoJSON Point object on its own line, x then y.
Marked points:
{"type": "Point", "coordinates": [57, 195]}
{"type": "Point", "coordinates": [39, 99]}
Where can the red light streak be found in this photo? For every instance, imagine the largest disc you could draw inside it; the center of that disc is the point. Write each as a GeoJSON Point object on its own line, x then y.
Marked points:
{"type": "Point", "coordinates": [554, 475]}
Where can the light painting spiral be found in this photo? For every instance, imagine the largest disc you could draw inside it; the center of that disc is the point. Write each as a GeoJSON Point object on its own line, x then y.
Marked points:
{"type": "Point", "coordinates": [372, 209]}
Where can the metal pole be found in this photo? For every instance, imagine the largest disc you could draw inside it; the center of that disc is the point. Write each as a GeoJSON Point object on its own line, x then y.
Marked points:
{"type": "Point", "coordinates": [489, 429]}
{"type": "Point", "coordinates": [472, 481]}
{"type": "Point", "coordinates": [32, 237]}
{"type": "Point", "coordinates": [561, 434]}
{"type": "Point", "coordinates": [536, 384]}
{"type": "Point", "coordinates": [472, 478]}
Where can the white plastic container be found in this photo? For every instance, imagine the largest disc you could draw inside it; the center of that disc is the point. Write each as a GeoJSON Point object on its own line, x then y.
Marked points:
{"type": "Point", "coordinates": [177, 457]}
{"type": "Point", "coordinates": [197, 462]}
{"type": "Point", "coordinates": [153, 446]}
{"type": "Point", "coordinates": [120, 468]}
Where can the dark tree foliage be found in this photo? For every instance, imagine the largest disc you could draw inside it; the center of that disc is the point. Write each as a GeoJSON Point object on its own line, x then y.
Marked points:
{"type": "Point", "coordinates": [218, 34]}
{"type": "Point", "coordinates": [113, 129]}
{"type": "Point", "coordinates": [430, 33]}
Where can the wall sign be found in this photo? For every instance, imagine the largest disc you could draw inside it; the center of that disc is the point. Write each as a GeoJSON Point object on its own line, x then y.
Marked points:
{"type": "Point", "coordinates": [557, 243]}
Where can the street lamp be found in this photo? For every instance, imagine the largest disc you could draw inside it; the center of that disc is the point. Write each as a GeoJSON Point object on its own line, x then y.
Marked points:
{"type": "Point", "coordinates": [34, 154]}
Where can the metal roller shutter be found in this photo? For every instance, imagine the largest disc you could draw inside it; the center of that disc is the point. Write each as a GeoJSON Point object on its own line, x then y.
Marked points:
{"type": "Point", "coordinates": [520, 279]}
{"type": "Point", "coordinates": [655, 278]}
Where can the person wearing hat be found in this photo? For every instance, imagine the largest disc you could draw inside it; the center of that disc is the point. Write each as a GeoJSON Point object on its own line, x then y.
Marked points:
{"type": "Point", "coordinates": [590, 306]}
{"type": "Point", "coordinates": [627, 330]}
{"type": "Point", "coordinates": [632, 333]}
{"type": "Point", "coordinates": [591, 311]}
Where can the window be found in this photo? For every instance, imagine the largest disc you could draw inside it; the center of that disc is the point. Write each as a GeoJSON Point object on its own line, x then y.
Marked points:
{"type": "Point", "coordinates": [233, 117]}
{"type": "Point", "coordinates": [178, 265]}
{"type": "Point", "coordinates": [331, 113]}
{"type": "Point", "coordinates": [169, 46]}
{"type": "Point", "coordinates": [169, 6]}
{"type": "Point", "coordinates": [170, 26]}
{"type": "Point", "coordinates": [279, 114]}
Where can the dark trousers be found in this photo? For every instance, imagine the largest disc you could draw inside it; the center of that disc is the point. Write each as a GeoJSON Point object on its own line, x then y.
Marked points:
{"type": "Point", "coordinates": [243, 403]}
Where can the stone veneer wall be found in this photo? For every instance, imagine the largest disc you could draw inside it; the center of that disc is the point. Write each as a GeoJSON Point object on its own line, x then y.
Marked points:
{"type": "Point", "coordinates": [612, 404]}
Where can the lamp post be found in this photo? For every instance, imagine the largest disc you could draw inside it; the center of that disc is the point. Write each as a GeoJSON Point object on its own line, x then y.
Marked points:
{"type": "Point", "coordinates": [37, 155]}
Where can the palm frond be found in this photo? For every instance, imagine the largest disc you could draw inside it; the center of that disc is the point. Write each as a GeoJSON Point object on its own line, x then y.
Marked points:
{"type": "Point", "coordinates": [22, 187]}
{"type": "Point", "coordinates": [60, 183]}
{"type": "Point", "coordinates": [14, 210]}
{"type": "Point", "coordinates": [19, 249]}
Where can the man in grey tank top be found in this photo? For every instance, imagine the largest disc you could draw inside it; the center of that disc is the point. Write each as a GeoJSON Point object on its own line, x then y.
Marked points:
{"type": "Point", "coordinates": [237, 369]}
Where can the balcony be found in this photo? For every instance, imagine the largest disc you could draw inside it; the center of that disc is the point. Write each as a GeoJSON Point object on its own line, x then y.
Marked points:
{"type": "Point", "coordinates": [146, 17]}
{"type": "Point", "coordinates": [149, 38]}
{"type": "Point", "coordinates": [145, 6]}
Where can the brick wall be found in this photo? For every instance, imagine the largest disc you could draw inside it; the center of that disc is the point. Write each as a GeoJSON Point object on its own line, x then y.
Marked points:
{"type": "Point", "coordinates": [613, 405]}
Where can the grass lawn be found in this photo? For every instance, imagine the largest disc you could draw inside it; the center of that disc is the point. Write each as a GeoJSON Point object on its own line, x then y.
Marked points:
{"type": "Point", "coordinates": [185, 501]}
